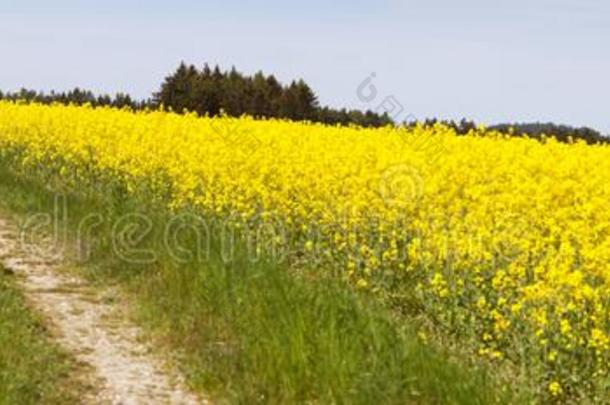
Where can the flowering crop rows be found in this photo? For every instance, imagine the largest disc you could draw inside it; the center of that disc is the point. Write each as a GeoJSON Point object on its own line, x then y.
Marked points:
{"type": "Point", "coordinates": [506, 240]}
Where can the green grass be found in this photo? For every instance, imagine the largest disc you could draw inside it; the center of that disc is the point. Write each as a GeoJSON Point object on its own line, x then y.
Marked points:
{"type": "Point", "coordinates": [265, 332]}
{"type": "Point", "coordinates": [32, 369]}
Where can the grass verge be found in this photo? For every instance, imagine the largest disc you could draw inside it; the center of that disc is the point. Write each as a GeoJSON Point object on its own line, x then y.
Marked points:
{"type": "Point", "coordinates": [32, 369]}
{"type": "Point", "coordinates": [263, 332]}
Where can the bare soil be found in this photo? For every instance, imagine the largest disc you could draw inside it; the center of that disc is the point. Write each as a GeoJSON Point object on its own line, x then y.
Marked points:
{"type": "Point", "coordinates": [91, 323]}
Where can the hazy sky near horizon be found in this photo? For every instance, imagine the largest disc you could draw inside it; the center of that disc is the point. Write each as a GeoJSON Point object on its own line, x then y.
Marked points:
{"type": "Point", "coordinates": [502, 61]}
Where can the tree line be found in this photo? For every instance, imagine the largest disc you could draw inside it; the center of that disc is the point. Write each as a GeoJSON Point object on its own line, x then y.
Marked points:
{"type": "Point", "coordinates": [212, 91]}
{"type": "Point", "coordinates": [79, 97]}
{"type": "Point", "coordinates": [563, 133]}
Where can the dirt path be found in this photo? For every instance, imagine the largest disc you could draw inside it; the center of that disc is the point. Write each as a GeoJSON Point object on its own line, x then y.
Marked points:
{"type": "Point", "coordinates": [89, 324]}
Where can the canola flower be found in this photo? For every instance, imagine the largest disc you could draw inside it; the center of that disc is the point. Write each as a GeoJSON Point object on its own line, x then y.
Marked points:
{"type": "Point", "coordinates": [504, 240]}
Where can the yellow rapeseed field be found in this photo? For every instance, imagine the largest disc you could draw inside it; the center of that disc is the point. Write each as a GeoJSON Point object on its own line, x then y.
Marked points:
{"type": "Point", "coordinates": [504, 241]}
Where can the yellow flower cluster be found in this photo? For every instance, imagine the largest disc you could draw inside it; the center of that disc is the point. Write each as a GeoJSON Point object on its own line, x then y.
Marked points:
{"type": "Point", "coordinates": [506, 240]}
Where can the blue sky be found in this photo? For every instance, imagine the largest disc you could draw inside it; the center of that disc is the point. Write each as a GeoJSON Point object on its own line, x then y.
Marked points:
{"type": "Point", "coordinates": [491, 61]}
